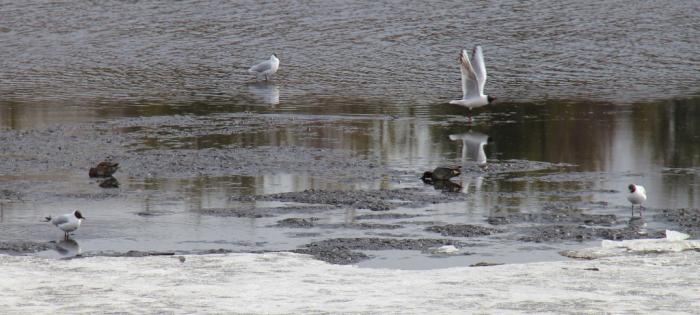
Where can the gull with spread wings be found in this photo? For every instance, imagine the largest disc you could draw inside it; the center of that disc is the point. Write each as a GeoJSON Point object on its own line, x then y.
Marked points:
{"type": "Point", "coordinates": [473, 80]}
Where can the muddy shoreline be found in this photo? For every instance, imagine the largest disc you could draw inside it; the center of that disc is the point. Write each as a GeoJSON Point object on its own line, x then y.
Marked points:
{"type": "Point", "coordinates": [283, 179]}
{"type": "Point", "coordinates": [559, 226]}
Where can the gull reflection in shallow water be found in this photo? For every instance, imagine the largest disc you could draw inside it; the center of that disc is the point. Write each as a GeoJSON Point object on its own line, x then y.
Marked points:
{"type": "Point", "coordinates": [269, 92]}
{"type": "Point", "coordinates": [68, 247]}
{"type": "Point", "coordinates": [472, 146]}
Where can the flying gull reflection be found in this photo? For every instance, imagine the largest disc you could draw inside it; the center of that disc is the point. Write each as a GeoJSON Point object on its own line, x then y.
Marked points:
{"type": "Point", "coordinates": [472, 146]}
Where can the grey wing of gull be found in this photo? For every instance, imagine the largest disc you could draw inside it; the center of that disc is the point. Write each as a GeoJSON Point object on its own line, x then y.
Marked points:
{"type": "Point", "coordinates": [470, 85]}
{"type": "Point", "coordinates": [62, 219]}
{"type": "Point", "coordinates": [261, 67]}
{"type": "Point", "coordinates": [479, 67]}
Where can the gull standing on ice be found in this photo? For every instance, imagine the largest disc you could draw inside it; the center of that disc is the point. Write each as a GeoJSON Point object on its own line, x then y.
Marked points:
{"type": "Point", "coordinates": [266, 68]}
{"type": "Point", "coordinates": [68, 222]}
{"type": "Point", "coordinates": [636, 196]}
{"type": "Point", "coordinates": [473, 81]}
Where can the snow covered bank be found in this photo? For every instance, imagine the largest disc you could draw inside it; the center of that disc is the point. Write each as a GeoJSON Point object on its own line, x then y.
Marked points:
{"type": "Point", "coordinates": [294, 283]}
{"type": "Point", "coordinates": [673, 242]}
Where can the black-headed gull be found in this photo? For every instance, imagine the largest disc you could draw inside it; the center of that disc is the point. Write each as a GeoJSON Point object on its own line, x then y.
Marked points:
{"type": "Point", "coordinates": [473, 80]}
{"type": "Point", "coordinates": [636, 196]}
{"type": "Point", "coordinates": [68, 222]}
{"type": "Point", "coordinates": [266, 68]}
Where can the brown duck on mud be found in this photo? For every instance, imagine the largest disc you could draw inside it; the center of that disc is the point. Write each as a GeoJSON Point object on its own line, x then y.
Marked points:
{"type": "Point", "coordinates": [442, 173]}
{"type": "Point", "coordinates": [104, 169]}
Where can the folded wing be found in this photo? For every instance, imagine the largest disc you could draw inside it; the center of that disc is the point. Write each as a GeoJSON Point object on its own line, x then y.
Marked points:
{"type": "Point", "coordinates": [479, 67]}
{"type": "Point", "coordinates": [470, 84]}
{"type": "Point", "coordinates": [62, 219]}
{"type": "Point", "coordinates": [261, 67]}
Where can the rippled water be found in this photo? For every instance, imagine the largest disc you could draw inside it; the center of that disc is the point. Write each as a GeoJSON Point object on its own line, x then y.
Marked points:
{"type": "Point", "coordinates": [606, 89]}
{"type": "Point", "coordinates": [401, 51]}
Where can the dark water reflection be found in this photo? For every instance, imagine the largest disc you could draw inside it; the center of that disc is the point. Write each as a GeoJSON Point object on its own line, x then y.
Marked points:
{"type": "Point", "coordinates": [595, 137]}
{"type": "Point", "coordinates": [602, 147]}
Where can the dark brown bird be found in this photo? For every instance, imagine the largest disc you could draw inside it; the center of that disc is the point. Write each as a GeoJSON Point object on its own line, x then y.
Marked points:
{"type": "Point", "coordinates": [442, 173]}
{"type": "Point", "coordinates": [104, 169]}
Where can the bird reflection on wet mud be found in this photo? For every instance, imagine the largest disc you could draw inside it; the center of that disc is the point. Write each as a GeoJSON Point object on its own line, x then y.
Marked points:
{"type": "Point", "coordinates": [446, 185]}
{"type": "Point", "coordinates": [109, 182]}
{"type": "Point", "coordinates": [68, 247]}
{"type": "Point", "coordinates": [472, 146]}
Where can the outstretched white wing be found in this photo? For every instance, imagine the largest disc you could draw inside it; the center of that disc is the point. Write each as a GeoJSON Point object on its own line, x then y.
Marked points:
{"type": "Point", "coordinates": [470, 84]}
{"type": "Point", "coordinates": [479, 67]}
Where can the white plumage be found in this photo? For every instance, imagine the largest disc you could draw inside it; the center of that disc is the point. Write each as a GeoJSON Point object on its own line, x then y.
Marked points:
{"type": "Point", "coordinates": [473, 80]}
{"type": "Point", "coordinates": [68, 222]}
{"type": "Point", "coordinates": [266, 68]}
{"type": "Point", "coordinates": [637, 196]}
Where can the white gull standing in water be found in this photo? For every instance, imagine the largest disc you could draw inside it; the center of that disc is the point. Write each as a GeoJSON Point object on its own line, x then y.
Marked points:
{"type": "Point", "coordinates": [473, 81]}
{"type": "Point", "coordinates": [68, 222]}
{"type": "Point", "coordinates": [636, 196]}
{"type": "Point", "coordinates": [266, 68]}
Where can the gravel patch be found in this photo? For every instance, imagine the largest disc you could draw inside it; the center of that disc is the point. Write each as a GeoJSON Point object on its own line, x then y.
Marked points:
{"type": "Point", "coordinates": [375, 200]}
{"type": "Point", "coordinates": [557, 233]}
{"type": "Point", "coordinates": [462, 230]}
{"type": "Point", "coordinates": [344, 250]}
{"type": "Point", "coordinates": [688, 220]}
{"type": "Point", "coordinates": [25, 247]}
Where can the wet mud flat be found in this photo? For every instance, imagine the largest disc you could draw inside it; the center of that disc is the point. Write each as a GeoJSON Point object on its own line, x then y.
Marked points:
{"type": "Point", "coordinates": [553, 224]}
{"type": "Point", "coordinates": [186, 149]}
{"type": "Point", "coordinates": [180, 147]}
{"type": "Point", "coordinates": [375, 200]}
{"type": "Point", "coordinates": [687, 220]}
